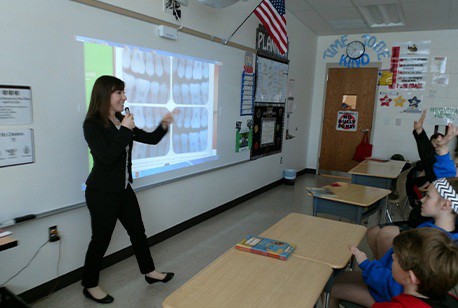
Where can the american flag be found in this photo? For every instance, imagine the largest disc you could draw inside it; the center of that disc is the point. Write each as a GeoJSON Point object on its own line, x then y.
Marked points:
{"type": "Point", "coordinates": [272, 16]}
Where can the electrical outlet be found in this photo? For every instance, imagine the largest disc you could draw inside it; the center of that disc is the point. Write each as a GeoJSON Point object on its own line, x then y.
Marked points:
{"type": "Point", "coordinates": [281, 160]}
{"type": "Point", "coordinates": [53, 234]}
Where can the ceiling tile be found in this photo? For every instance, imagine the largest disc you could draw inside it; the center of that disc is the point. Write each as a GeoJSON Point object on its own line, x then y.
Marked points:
{"type": "Point", "coordinates": [339, 13]}
{"type": "Point", "coordinates": [314, 22]}
{"type": "Point", "coordinates": [420, 14]}
{"type": "Point", "coordinates": [373, 2]}
{"type": "Point", "coordinates": [323, 4]}
{"type": "Point", "coordinates": [298, 5]}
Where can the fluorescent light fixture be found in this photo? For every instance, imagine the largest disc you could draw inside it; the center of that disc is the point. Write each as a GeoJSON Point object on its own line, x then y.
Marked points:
{"type": "Point", "coordinates": [383, 15]}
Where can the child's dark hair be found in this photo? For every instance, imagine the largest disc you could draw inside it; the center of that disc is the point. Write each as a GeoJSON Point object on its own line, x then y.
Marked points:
{"type": "Point", "coordinates": [432, 256]}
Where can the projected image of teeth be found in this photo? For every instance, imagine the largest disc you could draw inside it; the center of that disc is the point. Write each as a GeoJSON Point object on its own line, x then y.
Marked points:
{"type": "Point", "coordinates": [149, 64]}
{"type": "Point", "coordinates": [190, 130]}
{"type": "Point", "coordinates": [154, 91]}
{"type": "Point", "coordinates": [141, 90]}
{"type": "Point", "coordinates": [176, 92]}
{"type": "Point", "coordinates": [129, 81]}
{"type": "Point", "coordinates": [159, 68]}
{"type": "Point", "coordinates": [126, 57]}
{"type": "Point", "coordinates": [149, 118]}
{"type": "Point", "coordinates": [137, 64]}
{"type": "Point", "coordinates": [157, 82]}
{"type": "Point", "coordinates": [188, 72]}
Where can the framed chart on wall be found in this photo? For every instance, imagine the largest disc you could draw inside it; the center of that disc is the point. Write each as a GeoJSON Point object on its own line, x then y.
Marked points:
{"type": "Point", "coordinates": [267, 129]}
{"type": "Point", "coordinates": [271, 81]}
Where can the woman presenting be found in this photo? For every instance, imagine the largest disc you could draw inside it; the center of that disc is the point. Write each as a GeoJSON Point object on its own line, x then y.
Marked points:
{"type": "Point", "coordinates": [109, 196]}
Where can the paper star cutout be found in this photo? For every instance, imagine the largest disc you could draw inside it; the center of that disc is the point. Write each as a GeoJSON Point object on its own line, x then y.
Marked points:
{"type": "Point", "coordinates": [399, 101]}
{"type": "Point", "coordinates": [413, 102]}
{"type": "Point", "coordinates": [385, 101]}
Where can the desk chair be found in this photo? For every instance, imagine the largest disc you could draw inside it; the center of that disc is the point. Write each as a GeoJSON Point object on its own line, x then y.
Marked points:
{"type": "Point", "coordinates": [399, 198]}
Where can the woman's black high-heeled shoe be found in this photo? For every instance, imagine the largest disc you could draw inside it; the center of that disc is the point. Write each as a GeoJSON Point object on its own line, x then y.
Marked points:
{"type": "Point", "coordinates": [106, 300]}
{"type": "Point", "coordinates": [167, 278]}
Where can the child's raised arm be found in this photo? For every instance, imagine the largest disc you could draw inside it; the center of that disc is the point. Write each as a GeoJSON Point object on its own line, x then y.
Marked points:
{"type": "Point", "coordinates": [418, 125]}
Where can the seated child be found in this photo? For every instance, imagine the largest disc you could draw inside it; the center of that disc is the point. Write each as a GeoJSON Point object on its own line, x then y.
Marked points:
{"type": "Point", "coordinates": [375, 283]}
{"type": "Point", "coordinates": [437, 163]}
{"type": "Point", "coordinates": [425, 263]}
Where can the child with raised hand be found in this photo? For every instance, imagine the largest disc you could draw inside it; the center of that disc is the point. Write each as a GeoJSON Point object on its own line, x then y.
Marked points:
{"type": "Point", "coordinates": [437, 163]}
{"type": "Point", "coordinates": [375, 283]}
{"type": "Point", "coordinates": [425, 264]}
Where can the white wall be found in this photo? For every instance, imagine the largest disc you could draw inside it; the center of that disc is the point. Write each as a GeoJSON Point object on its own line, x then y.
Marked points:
{"type": "Point", "coordinates": [167, 205]}
{"type": "Point", "coordinates": [387, 138]}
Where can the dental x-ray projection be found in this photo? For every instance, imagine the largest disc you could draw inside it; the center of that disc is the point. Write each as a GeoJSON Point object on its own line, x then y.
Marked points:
{"type": "Point", "coordinates": [158, 82]}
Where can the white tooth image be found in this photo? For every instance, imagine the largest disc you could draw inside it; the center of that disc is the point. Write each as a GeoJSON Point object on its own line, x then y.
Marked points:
{"type": "Point", "coordinates": [177, 93]}
{"type": "Point", "coordinates": [203, 139]}
{"type": "Point", "coordinates": [187, 118]}
{"type": "Point", "coordinates": [155, 92]}
{"type": "Point", "coordinates": [181, 68]}
{"type": "Point", "coordinates": [125, 57]}
{"type": "Point", "coordinates": [139, 117]}
{"type": "Point", "coordinates": [180, 117]}
{"type": "Point", "coordinates": [159, 68]}
{"type": "Point", "coordinates": [166, 64]}
{"type": "Point", "coordinates": [204, 117]}
{"type": "Point", "coordinates": [141, 89]}
{"type": "Point", "coordinates": [194, 142]}
{"type": "Point", "coordinates": [204, 90]}
{"type": "Point", "coordinates": [129, 81]}
{"type": "Point", "coordinates": [177, 143]}
{"type": "Point", "coordinates": [149, 121]}
{"type": "Point", "coordinates": [188, 73]}
{"type": "Point", "coordinates": [138, 62]}
{"type": "Point", "coordinates": [197, 71]}
{"type": "Point", "coordinates": [195, 122]}
{"type": "Point", "coordinates": [185, 93]}
{"type": "Point", "coordinates": [164, 91]}
{"type": "Point", "coordinates": [194, 89]}
{"type": "Point", "coordinates": [184, 143]}
{"type": "Point", "coordinates": [149, 64]}
{"type": "Point", "coordinates": [205, 70]}
{"type": "Point", "coordinates": [175, 64]}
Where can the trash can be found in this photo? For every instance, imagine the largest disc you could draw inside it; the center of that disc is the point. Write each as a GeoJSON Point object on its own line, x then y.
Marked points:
{"type": "Point", "coordinates": [289, 176]}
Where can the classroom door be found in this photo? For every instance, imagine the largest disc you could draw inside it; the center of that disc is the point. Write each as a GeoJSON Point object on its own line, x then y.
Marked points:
{"type": "Point", "coordinates": [338, 146]}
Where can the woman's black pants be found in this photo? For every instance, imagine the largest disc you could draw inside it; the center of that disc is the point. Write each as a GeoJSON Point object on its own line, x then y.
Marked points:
{"type": "Point", "coordinates": [106, 209]}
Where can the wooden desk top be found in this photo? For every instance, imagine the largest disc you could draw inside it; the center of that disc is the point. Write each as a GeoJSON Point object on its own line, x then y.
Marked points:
{"type": "Point", "coordinates": [318, 239]}
{"type": "Point", "coordinates": [243, 279]}
{"type": "Point", "coordinates": [7, 242]}
{"type": "Point", "coordinates": [355, 194]}
{"type": "Point", "coordinates": [390, 169]}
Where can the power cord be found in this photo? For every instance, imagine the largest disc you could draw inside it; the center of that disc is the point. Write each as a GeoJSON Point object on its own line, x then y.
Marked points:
{"type": "Point", "coordinates": [36, 253]}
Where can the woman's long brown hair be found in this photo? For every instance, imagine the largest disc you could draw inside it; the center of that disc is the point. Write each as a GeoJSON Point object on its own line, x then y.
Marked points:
{"type": "Point", "coordinates": [99, 105]}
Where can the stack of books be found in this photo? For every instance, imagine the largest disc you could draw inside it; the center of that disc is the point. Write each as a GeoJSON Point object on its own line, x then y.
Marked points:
{"type": "Point", "coordinates": [266, 246]}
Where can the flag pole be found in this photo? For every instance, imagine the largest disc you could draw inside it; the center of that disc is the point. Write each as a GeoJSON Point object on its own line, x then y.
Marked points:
{"type": "Point", "coordinates": [226, 41]}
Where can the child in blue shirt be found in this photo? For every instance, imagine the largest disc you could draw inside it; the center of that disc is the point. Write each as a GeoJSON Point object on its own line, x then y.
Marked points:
{"type": "Point", "coordinates": [375, 283]}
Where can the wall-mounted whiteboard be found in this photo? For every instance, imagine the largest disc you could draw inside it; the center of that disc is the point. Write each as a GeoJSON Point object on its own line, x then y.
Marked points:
{"type": "Point", "coordinates": [42, 51]}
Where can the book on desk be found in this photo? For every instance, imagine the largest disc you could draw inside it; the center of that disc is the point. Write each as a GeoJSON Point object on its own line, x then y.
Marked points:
{"type": "Point", "coordinates": [319, 191]}
{"type": "Point", "coordinates": [266, 246]}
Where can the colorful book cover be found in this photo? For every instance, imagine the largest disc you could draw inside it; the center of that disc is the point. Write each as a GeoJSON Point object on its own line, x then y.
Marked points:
{"type": "Point", "coordinates": [266, 246]}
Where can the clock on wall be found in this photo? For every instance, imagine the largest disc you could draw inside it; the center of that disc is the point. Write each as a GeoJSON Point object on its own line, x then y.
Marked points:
{"type": "Point", "coordinates": [355, 50]}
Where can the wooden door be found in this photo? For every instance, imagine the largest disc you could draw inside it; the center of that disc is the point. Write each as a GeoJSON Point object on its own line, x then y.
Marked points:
{"type": "Point", "coordinates": [338, 147]}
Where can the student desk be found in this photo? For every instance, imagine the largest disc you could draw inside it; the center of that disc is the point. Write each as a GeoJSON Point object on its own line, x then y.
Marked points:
{"type": "Point", "coordinates": [350, 201]}
{"type": "Point", "coordinates": [243, 279]}
{"type": "Point", "coordinates": [375, 173]}
{"type": "Point", "coordinates": [318, 239]}
{"type": "Point", "coordinates": [7, 242]}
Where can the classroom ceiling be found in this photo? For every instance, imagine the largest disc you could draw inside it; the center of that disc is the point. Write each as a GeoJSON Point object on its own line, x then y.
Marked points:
{"type": "Point", "coordinates": [336, 17]}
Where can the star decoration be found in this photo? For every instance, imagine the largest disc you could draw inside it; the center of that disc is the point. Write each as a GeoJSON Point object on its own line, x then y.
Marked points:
{"type": "Point", "coordinates": [413, 102]}
{"type": "Point", "coordinates": [399, 101]}
{"type": "Point", "coordinates": [385, 101]}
